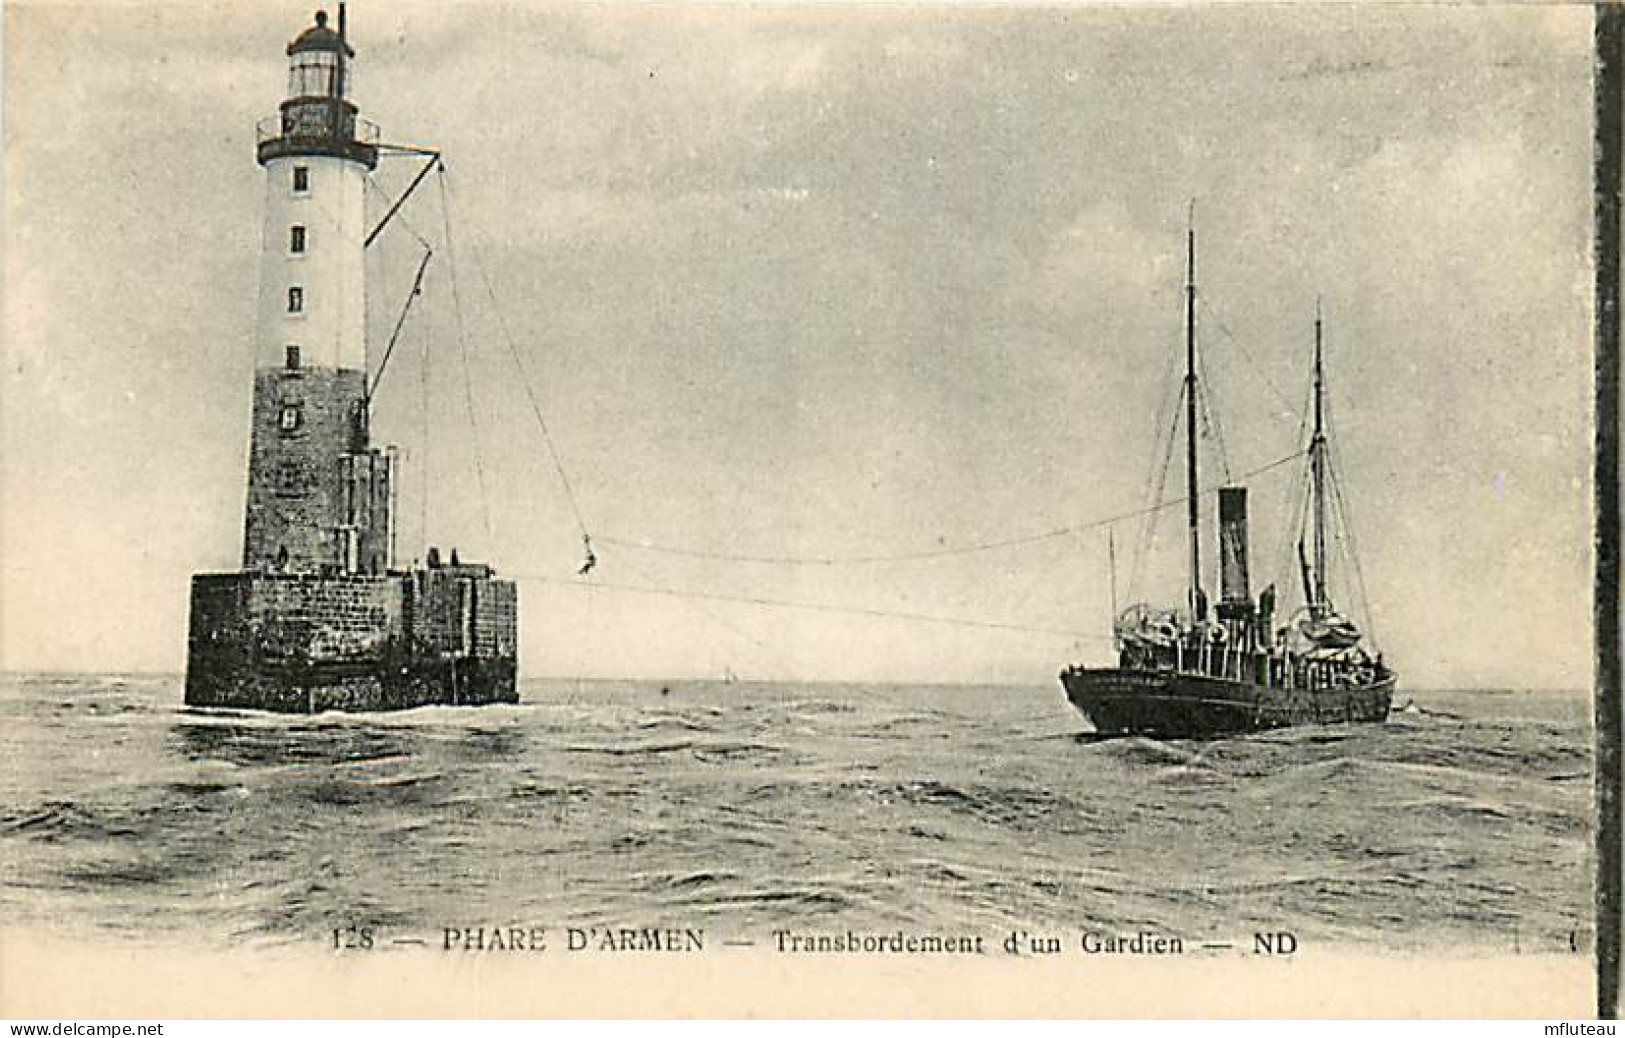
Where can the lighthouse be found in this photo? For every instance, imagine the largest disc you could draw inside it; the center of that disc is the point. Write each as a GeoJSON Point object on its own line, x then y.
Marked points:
{"type": "Point", "coordinates": [320, 617]}
{"type": "Point", "coordinates": [319, 495]}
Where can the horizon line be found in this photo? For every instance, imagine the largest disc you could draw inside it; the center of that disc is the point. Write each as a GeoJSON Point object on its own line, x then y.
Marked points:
{"type": "Point", "coordinates": [1499, 689]}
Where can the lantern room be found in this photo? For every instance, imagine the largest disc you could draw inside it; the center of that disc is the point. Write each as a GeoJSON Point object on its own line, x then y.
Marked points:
{"type": "Point", "coordinates": [318, 118]}
{"type": "Point", "coordinates": [317, 62]}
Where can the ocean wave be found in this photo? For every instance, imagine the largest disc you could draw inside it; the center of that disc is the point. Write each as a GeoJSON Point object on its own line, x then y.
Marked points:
{"type": "Point", "coordinates": [144, 872]}
{"type": "Point", "coordinates": [58, 817]}
{"type": "Point", "coordinates": [1008, 807]}
{"type": "Point", "coordinates": [684, 881]}
{"type": "Point", "coordinates": [820, 706]}
{"type": "Point", "coordinates": [709, 750]}
{"type": "Point", "coordinates": [778, 805]}
{"type": "Point", "coordinates": [646, 749]}
{"type": "Point", "coordinates": [1139, 750]}
{"type": "Point", "coordinates": [532, 790]}
{"type": "Point", "coordinates": [796, 901]}
{"type": "Point", "coordinates": [672, 721]}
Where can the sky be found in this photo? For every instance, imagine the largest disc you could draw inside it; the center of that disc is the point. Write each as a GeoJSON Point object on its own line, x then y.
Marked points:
{"type": "Point", "coordinates": [828, 282]}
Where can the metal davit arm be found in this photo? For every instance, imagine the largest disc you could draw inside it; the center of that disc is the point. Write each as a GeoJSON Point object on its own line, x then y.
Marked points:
{"type": "Point", "coordinates": [428, 167]}
{"type": "Point", "coordinates": [394, 336]}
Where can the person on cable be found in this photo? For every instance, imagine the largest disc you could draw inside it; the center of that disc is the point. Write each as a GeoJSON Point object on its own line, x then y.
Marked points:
{"type": "Point", "coordinates": [589, 560]}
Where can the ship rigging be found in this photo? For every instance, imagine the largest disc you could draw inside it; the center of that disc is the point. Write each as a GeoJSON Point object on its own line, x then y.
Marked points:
{"type": "Point", "coordinates": [1192, 673]}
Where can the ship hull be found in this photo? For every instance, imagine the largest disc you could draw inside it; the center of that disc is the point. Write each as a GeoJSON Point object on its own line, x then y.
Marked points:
{"type": "Point", "coordinates": [1177, 705]}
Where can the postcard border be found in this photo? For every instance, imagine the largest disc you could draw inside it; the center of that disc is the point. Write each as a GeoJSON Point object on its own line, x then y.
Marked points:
{"type": "Point", "coordinates": [1610, 105]}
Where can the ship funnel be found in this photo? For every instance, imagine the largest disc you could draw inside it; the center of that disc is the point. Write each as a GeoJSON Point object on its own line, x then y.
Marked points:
{"type": "Point", "coordinates": [1235, 600]}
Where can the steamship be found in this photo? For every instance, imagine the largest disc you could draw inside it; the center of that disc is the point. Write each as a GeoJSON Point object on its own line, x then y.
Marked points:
{"type": "Point", "coordinates": [1201, 673]}
{"type": "Point", "coordinates": [320, 616]}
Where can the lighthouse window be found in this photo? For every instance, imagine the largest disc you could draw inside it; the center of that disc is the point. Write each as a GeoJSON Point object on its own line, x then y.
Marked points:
{"type": "Point", "coordinates": [292, 418]}
{"type": "Point", "coordinates": [313, 74]}
{"type": "Point", "coordinates": [296, 238]}
{"type": "Point", "coordinates": [301, 179]}
{"type": "Point", "coordinates": [293, 356]}
{"type": "Point", "coordinates": [296, 300]}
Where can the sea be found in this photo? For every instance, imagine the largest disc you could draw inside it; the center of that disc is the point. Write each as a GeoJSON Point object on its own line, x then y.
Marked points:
{"type": "Point", "coordinates": [742, 808]}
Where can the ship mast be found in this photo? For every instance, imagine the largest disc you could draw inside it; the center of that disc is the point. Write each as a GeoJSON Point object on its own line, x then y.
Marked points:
{"type": "Point", "coordinates": [1317, 470]}
{"type": "Point", "coordinates": [1197, 599]}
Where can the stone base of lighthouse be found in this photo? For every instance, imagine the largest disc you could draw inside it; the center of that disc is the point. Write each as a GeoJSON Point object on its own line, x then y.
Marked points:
{"type": "Point", "coordinates": [304, 643]}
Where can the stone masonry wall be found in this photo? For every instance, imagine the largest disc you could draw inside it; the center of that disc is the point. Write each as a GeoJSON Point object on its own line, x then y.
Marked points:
{"type": "Point", "coordinates": [296, 496]}
{"type": "Point", "coordinates": [328, 618]}
{"type": "Point", "coordinates": [462, 610]}
{"type": "Point", "coordinates": [302, 642]}
{"type": "Point", "coordinates": [303, 618]}
{"type": "Point", "coordinates": [285, 618]}
{"type": "Point", "coordinates": [496, 619]}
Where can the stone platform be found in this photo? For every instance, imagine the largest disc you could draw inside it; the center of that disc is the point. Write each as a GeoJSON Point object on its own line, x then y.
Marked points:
{"type": "Point", "coordinates": [303, 643]}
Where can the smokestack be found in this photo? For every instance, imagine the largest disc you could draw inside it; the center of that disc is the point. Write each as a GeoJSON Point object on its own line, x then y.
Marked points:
{"type": "Point", "coordinates": [1235, 601]}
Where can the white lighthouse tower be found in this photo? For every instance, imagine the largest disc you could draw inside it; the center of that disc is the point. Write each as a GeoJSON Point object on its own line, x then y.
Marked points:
{"type": "Point", "coordinates": [319, 617]}
{"type": "Point", "coordinates": [318, 493]}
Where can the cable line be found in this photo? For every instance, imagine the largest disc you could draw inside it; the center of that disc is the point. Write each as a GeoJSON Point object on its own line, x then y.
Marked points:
{"type": "Point", "coordinates": [524, 378]}
{"type": "Point", "coordinates": [394, 336]}
{"type": "Point", "coordinates": [1148, 527]}
{"type": "Point", "coordinates": [817, 607]}
{"type": "Point", "coordinates": [1210, 417]}
{"type": "Point", "coordinates": [1296, 504]}
{"type": "Point", "coordinates": [393, 204]}
{"type": "Point", "coordinates": [1261, 371]}
{"type": "Point", "coordinates": [1162, 438]}
{"type": "Point", "coordinates": [700, 609]}
{"type": "Point", "coordinates": [1351, 549]}
{"type": "Point", "coordinates": [468, 379]}
{"type": "Point", "coordinates": [931, 553]}
{"type": "Point", "coordinates": [425, 403]}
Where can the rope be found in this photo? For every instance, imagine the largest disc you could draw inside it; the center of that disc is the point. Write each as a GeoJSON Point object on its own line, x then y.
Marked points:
{"type": "Point", "coordinates": [1173, 389]}
{"type": "Point", "coordinates": [817, 607]}
{"type": "Point", "coordinates": [524, 377]}
{"type": "Point", "coordinates": [428, 333]}
{"type": "Point", "coordinates": [468, 381]}
{"type": "Point", "coordinates": [1345, 520]}
{"type": "Point", "coordinates": [394, 336]}
{"type": "Point", "coordinates": [932, 553]}
{"type": "Point", "coordinates": [1352, 554]}
{"type": "Point", "coordinates": [1299, 526]}
{"type": "Point", "coordinates": [1259, 369]}
{"type": "Point", "coordinates": [1210, 419]}
{"type": "Point", "coordinates": [780, 655]}
{"type": "Point", "coordinates": [1297, 504]}
{"type": "Point", "coordinates": [401, 216]}
{"type": "Point", "coordinates": [1148, 529]}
